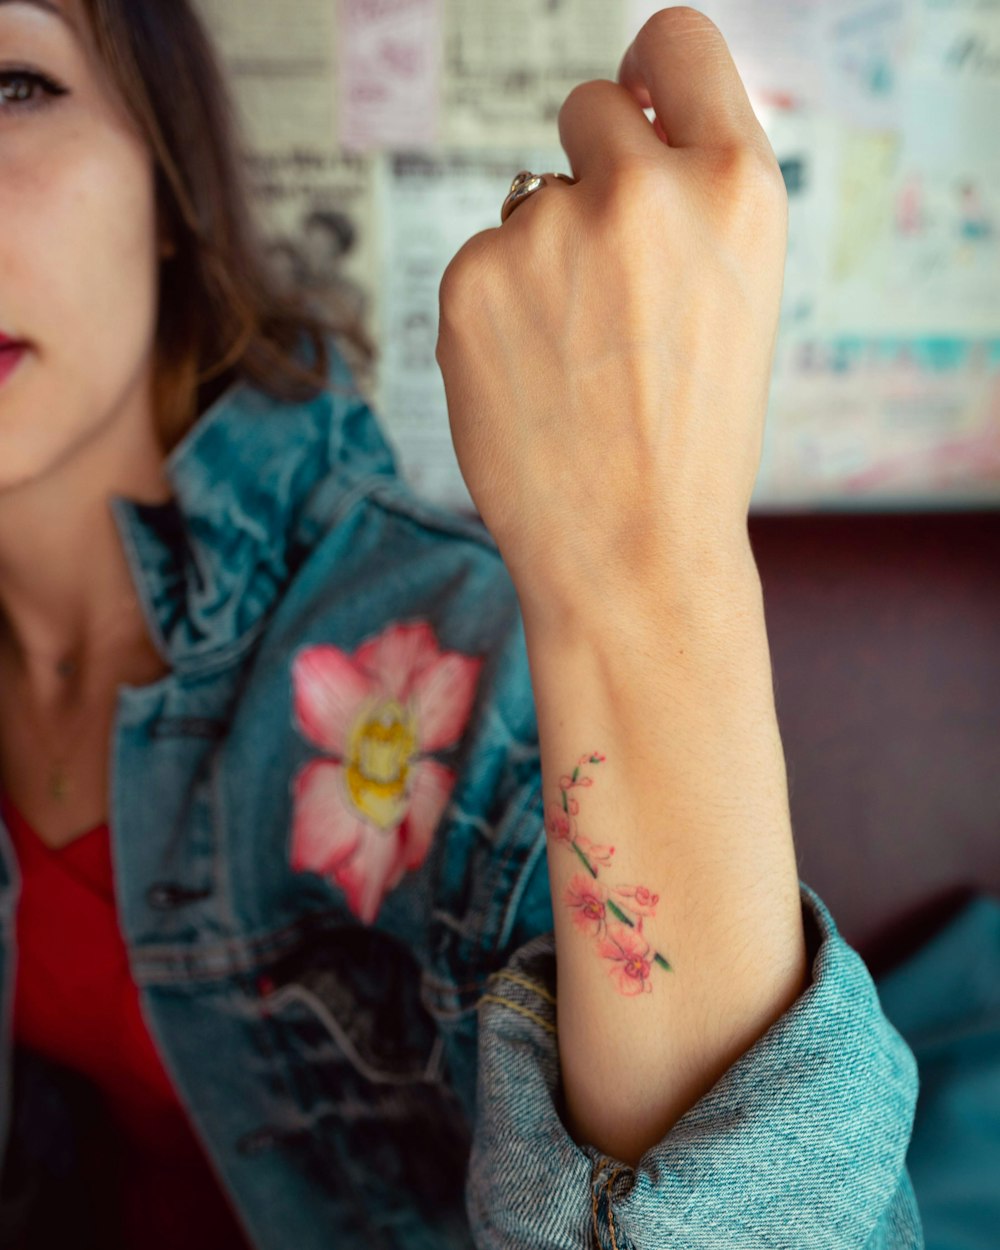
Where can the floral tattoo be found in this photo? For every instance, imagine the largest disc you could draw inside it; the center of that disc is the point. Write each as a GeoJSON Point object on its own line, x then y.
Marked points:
{"type": "Point", "coordinates": [620, 941]}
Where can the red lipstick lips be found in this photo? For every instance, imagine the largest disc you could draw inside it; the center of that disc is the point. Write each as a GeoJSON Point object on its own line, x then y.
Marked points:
{"type": "Point", "coordinates": [11, 353]}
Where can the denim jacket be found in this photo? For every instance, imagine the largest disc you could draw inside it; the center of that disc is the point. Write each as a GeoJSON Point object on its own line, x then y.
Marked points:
{"type": "Point", "coordinates": [331, 878]}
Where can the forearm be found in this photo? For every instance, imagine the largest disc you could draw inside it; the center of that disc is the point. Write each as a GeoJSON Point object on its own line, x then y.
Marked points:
{"type": "Point", "coordinates": [674, 689]}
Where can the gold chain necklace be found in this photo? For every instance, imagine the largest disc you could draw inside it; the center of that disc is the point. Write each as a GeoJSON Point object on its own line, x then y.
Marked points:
{"type": "Point", "coordinates": [58, 784]}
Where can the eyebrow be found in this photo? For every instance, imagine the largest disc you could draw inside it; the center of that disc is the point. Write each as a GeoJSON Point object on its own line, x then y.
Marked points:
{"type": "Point", "coordinates": [46, 6]}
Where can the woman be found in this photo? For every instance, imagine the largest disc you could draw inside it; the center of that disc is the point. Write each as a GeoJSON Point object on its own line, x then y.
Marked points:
{"type": "Point", "coordinates": [294, 764]}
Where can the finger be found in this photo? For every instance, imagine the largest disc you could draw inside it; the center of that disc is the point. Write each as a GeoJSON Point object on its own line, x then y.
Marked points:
{"type": "Point", "coordinates": [602, 125]}
{"type": "Point", "coordinates": [680, 65]}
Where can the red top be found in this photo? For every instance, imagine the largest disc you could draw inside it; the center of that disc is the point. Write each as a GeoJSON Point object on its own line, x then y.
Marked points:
{"type": "Point", "coordinates": [75, 1003]}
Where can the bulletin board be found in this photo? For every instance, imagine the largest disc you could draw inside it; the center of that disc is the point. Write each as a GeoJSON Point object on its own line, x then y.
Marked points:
{"type": "Point", "coordinates": [381, 134]}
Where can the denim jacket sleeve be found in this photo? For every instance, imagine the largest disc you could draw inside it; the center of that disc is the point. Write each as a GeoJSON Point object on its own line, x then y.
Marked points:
{"type": "Point", "coordinates": [801, 1143]}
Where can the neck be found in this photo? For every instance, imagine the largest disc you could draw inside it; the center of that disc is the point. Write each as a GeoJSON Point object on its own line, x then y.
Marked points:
{"type": "Point", "coordinates": [65, 581]}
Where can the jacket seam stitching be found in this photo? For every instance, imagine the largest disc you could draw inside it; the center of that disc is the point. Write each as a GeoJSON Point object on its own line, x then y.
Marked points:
{"type": "Point", "coordinates": [524, 1011]}
{"type": "Point", "coordinates": [527, 982]}
{"type": "Point", "coordinates": [611, 1217]}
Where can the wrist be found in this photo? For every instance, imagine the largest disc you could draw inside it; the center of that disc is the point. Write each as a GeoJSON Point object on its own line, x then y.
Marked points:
{"type": "Point", "coordinates": [693, 590]}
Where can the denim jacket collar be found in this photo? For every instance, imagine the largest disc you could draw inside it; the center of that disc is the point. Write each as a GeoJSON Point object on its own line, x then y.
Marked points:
{"type": "Point", "coordinates": [253, 480]}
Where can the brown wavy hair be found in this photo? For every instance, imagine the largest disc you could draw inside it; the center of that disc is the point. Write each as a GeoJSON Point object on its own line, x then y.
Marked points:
{"type": "Point", "coordinates": [222, 312]}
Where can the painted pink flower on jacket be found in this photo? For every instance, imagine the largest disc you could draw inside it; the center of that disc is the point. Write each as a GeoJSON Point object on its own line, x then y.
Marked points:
{"type": "Point", "coordinates": [366, 813]}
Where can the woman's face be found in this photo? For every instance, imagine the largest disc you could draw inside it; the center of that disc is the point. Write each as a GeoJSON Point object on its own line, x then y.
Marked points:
{"type": "Point", "coordinates": [78, 243]}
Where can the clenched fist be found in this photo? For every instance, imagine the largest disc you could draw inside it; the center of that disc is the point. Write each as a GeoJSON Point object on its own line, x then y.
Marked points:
{"type": "Point", "coordinates": [607, 351]}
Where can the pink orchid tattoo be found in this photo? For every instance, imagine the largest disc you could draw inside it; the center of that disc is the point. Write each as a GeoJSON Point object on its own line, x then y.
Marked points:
{"type": "Point", "coordinates": [621, 942]}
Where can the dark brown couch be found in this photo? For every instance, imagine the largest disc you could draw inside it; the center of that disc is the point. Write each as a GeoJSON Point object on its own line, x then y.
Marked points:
{"type": "Point", "coordinates": [885, 645]}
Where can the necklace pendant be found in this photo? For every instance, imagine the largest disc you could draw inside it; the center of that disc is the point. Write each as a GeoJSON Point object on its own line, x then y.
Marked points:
{"type": "Point", "coordinates": [59, 784]}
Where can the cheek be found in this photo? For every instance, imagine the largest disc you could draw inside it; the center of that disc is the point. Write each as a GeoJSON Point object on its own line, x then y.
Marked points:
{"type": "Point", "coordinates": [95, 242]}
{"type": "Point", "coordinates": [78, 262]}
{"type": "Point", "coordinates": [79, 279]}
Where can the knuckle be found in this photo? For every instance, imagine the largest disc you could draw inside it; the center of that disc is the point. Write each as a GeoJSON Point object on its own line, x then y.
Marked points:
{"type": "Point", "coordinates": [746, 190]}
{"type": "Point", "coordinates": [765, 171]}
{"type": "Point", "coordinates": [447, 288]}
{"type": "Point", "coordinates": [453, 295]}
{"type": "Point", "coordinates": [750, 168]}
{"type": "Point", "coordinates": [462, 274]}
{"type": "Point", "coordinates": [766, 192]}
{"type": "Point", "coordinates": [577, 97]}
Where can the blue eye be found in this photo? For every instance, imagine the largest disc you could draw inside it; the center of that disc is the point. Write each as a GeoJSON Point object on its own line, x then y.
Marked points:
{"type": "Point", "coordinates": [19, 90]}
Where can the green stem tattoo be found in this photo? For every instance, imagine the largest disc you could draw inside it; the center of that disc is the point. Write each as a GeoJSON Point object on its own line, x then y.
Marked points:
{"type": "Point", "coordinates": [621, 943]}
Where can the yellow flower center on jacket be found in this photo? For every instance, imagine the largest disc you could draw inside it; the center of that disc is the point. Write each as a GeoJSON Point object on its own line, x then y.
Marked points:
{"type": "Point", "coordinates": [379, 749]}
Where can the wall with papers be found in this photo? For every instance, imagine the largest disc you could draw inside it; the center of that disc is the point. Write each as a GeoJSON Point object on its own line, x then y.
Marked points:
{"type": "Point", "coordinates": [381, 134]}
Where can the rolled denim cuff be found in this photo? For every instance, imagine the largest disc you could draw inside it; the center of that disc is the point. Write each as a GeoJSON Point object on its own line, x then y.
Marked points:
{"type": "Point", "coordinates": [801, 1143]}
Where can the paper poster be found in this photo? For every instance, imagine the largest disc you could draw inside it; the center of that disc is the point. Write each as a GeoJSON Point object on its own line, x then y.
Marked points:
{"type": "Point", "coordinates": [382, 134]}
{"type": "Point", "coordinates": [389, 73]}
{"type": "Point", "coordinates": [281, 65]}
{"type": "Point", "coordinates": [431, 205]}
{"type": "Point", "coordinates": [508, 67]}
{"type": "Point", "coordinates": [318, 216]}
{"type": "Point", "coordinates": [862, 423]}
